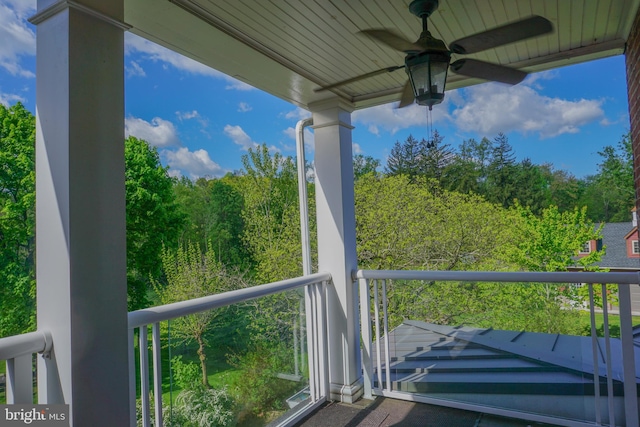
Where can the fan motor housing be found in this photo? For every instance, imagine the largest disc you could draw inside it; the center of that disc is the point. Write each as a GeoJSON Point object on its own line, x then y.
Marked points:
{"type": "Point", "coordinates": [422, 8]}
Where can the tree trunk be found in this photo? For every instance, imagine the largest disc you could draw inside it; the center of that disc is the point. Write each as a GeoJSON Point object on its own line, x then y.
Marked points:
{"type": "Point", "coordinates": [203, 362]}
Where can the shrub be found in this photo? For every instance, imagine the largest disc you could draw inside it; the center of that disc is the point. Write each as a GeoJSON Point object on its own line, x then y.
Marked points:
{"type": "Point", "coordinates": [205, 407]}
{"type": "Point", "coordinates": [185, 374]}
{"type": "Point", "coordinates": [261, 390]}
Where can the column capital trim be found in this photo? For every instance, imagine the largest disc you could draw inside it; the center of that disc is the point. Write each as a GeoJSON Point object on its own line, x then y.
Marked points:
{"type": "Point", "coordinates": [62, 5]}
{"type": "Point", "coordinates": [333, 123]}
{"type": "Point", "coordinates": [331, 103]}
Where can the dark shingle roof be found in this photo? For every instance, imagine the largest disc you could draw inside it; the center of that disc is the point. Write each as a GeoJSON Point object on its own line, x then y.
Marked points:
{"type": "Point", "coordinates": [616, 249]}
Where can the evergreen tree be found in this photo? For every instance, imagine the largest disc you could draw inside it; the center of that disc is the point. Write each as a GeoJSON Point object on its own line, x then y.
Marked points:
{"type": "Point", "coordinates": [531, 186]}
{"type": "Point", "coordinates": [437, 157]}
{"type": "Point", "coordinates": [610, 193]}
{"type": "Point", "coordinates": [405, 158]}
{"type": "Point", "coordinates": [501, 184]}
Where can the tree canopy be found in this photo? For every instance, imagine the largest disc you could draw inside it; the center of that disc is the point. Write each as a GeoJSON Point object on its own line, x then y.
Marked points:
{"type": "Point", "coordinates": [17, 220]}
{"type": "Point", "coordinates": [153, 217]}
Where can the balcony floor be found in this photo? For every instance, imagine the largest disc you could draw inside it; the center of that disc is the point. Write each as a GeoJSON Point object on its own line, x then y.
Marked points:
{"type": "Point", "coordinates": [383, 412]}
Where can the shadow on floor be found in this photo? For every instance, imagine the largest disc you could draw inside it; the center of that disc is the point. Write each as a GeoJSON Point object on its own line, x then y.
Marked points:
{"type": "Point", "coordinates": [383, 412]}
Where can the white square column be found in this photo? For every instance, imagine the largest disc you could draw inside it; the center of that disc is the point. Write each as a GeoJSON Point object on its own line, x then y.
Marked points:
{"type": "Point", "coordinates": [333, 160]}
{"type": "Point", "coordinates": [80, 209]}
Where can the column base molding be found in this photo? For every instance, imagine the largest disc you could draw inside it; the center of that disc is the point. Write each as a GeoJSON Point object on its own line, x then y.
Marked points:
{"type": "Point", "coordinates": [347, 393]}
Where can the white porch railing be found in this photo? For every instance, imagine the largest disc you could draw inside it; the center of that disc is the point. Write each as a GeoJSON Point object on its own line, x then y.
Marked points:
{"type": "Point", "coordinates": [315, 307]}
{"type": "Point", "coordinates": [18, 351]}
{"type": "Point", "coordinates": [374, 317]}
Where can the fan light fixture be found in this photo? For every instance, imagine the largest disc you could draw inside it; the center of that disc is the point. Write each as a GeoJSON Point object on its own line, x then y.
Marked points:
{"type": "Point", "coordinates": [427, 69]}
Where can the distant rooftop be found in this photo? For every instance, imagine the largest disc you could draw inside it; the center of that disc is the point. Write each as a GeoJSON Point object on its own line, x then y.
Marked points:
{"type": "Point", "coordinates": [613, 237]}
{"type": "Point", "coordinates": [551, 374]}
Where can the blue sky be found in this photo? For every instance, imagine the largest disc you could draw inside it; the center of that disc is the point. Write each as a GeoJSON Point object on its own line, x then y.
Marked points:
{"type": "Point", "coordinates": [203, 121]}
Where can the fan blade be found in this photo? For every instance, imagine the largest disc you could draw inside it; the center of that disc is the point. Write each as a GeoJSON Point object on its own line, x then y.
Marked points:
{"type": "Point", "coordinates": [393, 40]}
{"type": "Point", "coordinates": [529, 27]}
{"type": "Point", "coordinates": [361, 77]}
{"type": "Point", "coordinates": [488, 71]}
{"type": "Point", "coordinates": [407, 97]}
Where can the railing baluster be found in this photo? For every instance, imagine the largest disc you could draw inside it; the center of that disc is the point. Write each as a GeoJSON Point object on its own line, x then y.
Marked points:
{"type": "Point", "coordinates": [387, 357]}
{"type": "Point", "coordinates": [365, 330]}
{"type": "Point", "coordinates": [132, 379]}
{"type": "Point", "coordinates": [322, 339]}
{"type": "Point", "coordinates": [376, 317]}
{"type": "Point", "coordinates": [596, 356]}
{"type": "Point", "coordinates": [607, 343]}
{"type": "Point", "coordinates": [20, 379]}
{"type": "Point", "coordinates": [312, 347]}
{"type": "Point", "coordinates": [144, 376]}
{"type": "Point", "coordinates": [157, 373]}
{"type": "Point", "coordinates": [628, 357]}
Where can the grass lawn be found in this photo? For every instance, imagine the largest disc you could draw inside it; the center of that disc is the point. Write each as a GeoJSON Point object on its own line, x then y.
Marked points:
{"type": "Point", "coordinates": [614, 323]}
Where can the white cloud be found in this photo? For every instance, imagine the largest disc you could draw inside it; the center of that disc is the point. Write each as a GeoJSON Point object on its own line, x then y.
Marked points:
{"type": "Point", "coordinates": [356, 148]}
{"type": "Point", "coordinates": [194, 115]}
{"type": "Point", "coordinates": [240, 137]}
{"type": "Point", "coordinates": [135, 70]}
{"type": "Point", "coordinates": [158, 132]}
{"type": "Point", "coordinates": [195, 164]}
{"type": "Point", "coordinates": [243, 107]}
{"type": "Point", "coordinates": [8, 99]}
{"type": "Point", "coordinates": [297, 114]}
{"type": "Point", "coordinates": [157, 53]}
{"type": "Point", "coordinates": [393, 119]}
{"type": "Point", "coordinates": [532, 79]}
{"type": "Point", "coordinates": [235, 84]}
{"type": "Point", "coordinates": [309, 138]}
{"type": "Point", "coordinates": [186, 115]}
{"type": "Point", "coordinates": [492, 107]}
{"type": "Point", "coordinates": [17, 38]}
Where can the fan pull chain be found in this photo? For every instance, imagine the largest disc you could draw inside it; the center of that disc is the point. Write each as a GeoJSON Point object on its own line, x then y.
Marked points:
{"type": "Point", "coordinates": [429, 125]}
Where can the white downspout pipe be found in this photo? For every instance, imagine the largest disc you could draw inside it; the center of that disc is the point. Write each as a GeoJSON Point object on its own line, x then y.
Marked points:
{"type": "Point", "coordinates": [304, 234]}
{"type": "Point", "coordinates": [302, 195]}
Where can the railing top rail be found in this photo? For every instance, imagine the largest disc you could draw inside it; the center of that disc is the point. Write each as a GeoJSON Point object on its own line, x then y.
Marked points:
{"type": "Point", "coordinates": [183, 308]}
{"type": "Point", "coordinates": [20, 345]}
{"type": "Point", "coordinates": [499, 276]}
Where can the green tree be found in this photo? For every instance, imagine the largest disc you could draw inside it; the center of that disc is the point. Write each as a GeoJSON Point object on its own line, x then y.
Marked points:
{"type": "Point", "coordinates": [551, 242]}
{"type": "Point", "coordinates": [404, 158]}
{"type": "Point", "coordinates": [271, 219]}
{"type": "Point", "coordinates": [426, 158]}
{"type": "Point", "coordinates": [17, 220]}
{"type": "Point", "coordinates": [564, 188]}
{"type": "Point", "coordinates": [610, 194]}
{"type": "Point", "coordinates": [437, 157]}
{"type": "Point", "coordinates": [193, 197]}
{"type": "Point", "coordinates": [190, 274]}
{"type": "Point", "coordinates": [227, 225]}
{"type": "Point", "coordinates": [363, 165]}
{"type": "Point", "coordinates": [153, 217]}
{"type": "Point", "coordinates": [467, 171]}
{"type": "Point", "coordinates": [405, 225]}
{"type": "Point", "coordinates": [531, 186]}
{"type": "Point", "coordinates": [501, 186]}
{"type": "Point", "coordinates": [214, 208]}
{"type": "Point", "coordinates": [272, 233]}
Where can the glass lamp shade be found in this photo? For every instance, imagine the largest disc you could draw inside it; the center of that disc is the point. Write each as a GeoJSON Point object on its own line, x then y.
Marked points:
{"type": "Point", "coordinates": [428, 74]}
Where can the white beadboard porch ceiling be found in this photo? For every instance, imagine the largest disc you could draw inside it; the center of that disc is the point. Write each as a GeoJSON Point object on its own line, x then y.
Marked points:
{"type": "Point", "coordinates": [291, 47]}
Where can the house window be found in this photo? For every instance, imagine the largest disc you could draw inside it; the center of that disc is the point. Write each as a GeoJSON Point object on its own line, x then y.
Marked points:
{"type": "Point", "coordinates": [635, 247]}
{"type": "Point", "coordinates": [586, 248]}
